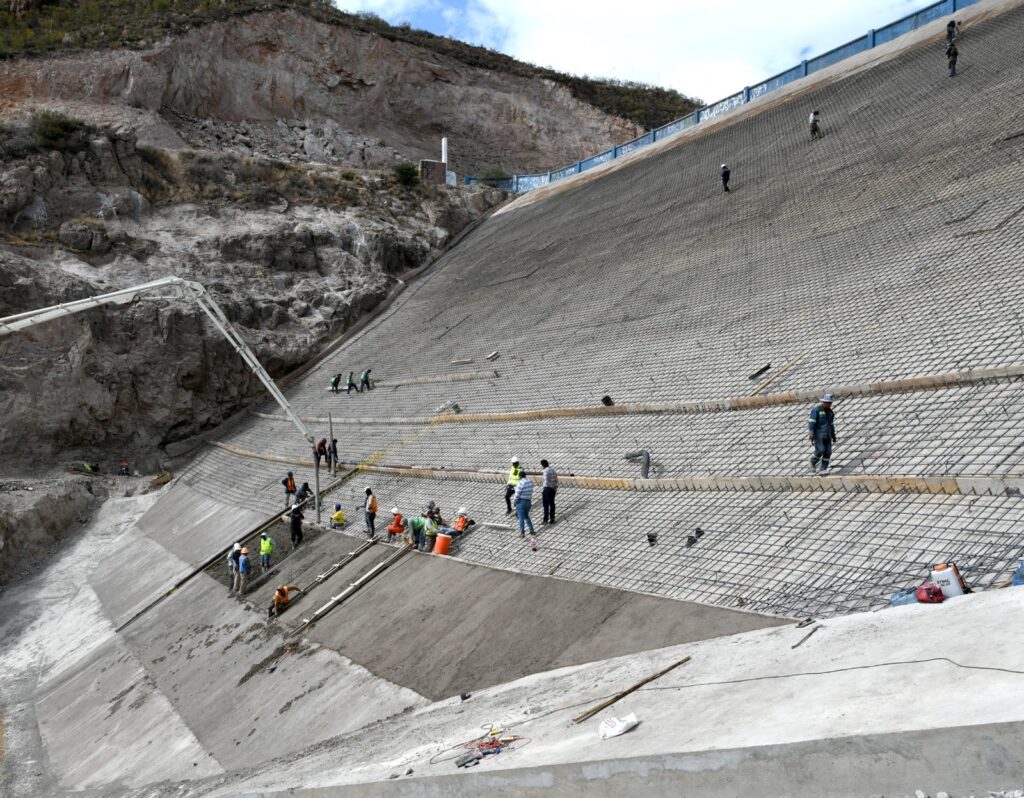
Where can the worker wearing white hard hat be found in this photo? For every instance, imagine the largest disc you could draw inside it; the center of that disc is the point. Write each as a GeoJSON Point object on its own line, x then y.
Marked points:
{"type": "Point", "coordinates": [462, 523]}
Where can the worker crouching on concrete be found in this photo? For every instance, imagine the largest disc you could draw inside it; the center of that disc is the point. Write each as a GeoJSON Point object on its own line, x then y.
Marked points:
{"type": "Point", "coordinates": [397, 526]}
{"type": "Point", "coordinates": [280, 601]}
{"type": "Point", "coordinates": [416, 529]}
{"type": "Point", "coordinates": [338, 519]}
{"type": "Point", "coordinates": [430, 530]}
{"type": "Point", "coordinates": [821, 428]}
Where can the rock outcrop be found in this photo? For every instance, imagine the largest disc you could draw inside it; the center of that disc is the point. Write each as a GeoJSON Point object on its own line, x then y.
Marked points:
{"type": "Point", "coordinates": [284, 84]}
{"type": "Point", "coordinates": [293, 254]}
{"type": "Point", "coordinates": [38, 515]}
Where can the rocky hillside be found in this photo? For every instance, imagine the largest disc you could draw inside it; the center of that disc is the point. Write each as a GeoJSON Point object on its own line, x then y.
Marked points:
{"type": "Point", "coordinates": [284, 83]}
{"type": "Point", "coordinates": [45, 26]}
{"type": "Point", "coordinates": [249, 145]}
{"type": "Point", "coordinates": [293, 253]}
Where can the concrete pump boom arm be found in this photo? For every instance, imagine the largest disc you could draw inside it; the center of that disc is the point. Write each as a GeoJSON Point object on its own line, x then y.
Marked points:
{"type": "Point", "coordinates": [184, 288]}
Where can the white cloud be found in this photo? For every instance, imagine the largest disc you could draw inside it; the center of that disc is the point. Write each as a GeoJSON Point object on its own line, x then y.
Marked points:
{"type": "Point", "coordinates": [704, 49]}
{"type": "Point", "coordinates": [387, 9]}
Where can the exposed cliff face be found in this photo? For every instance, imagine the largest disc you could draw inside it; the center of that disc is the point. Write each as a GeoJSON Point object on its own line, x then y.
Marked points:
{"type": "Point", "coordinates": [38, 515]}
{"type": "Point", "coordinates": [351, 97]}
{"type": "Point", "coordinates": [293, 254]}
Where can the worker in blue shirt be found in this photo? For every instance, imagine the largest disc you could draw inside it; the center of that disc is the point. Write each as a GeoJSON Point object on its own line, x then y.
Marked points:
{"type": "Point", "coordinates": [821, 428]}
{"type": "Point", "coordinates": [244, 569]}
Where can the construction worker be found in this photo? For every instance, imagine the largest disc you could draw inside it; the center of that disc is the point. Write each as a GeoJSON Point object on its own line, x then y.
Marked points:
{"type": "Point", "coordinates": [821, 429]}
{"type": "Point", "coordinates": [296, 526]}
{"type": "Point", "coordinates": [266, 549]}
{"type": "Point", "coordinates": [549, 487]}
{"type": "Point", "coordinates": [952, 30]}
{"type": "Point", "coordinates": [364, 381]}
{"type": "Point", "coordinates": [289, 489]}
{"type": "Point", "coordinates": [515, 473]}
{"type": "Point", "coordinates": [725, 173]}
{"type": "Point", "coordinates": [813, 121]}
{"type": "Point", "coordinates": [370, 512]}
{"type": "Point", "coordinates": [462, 523]}
{"type": "Point", "coordinates": [430, 530]}
{"type": "Point", "coordinates": [335, 382]}
{"type": "Point", "coordinates": [321, 451]}
{"type": "Point", "coordinates": [352, 383]}
{"type": "Point", "coordinates": [280, 601]}
{"type": "Point", "coordinates": [338, 519]}
{"type": "Point", "coordinates": [233, 556]}
{"type": "Point", "coordinates": [434, 513]}
{"type": "Point", "coordinates": [416, 529]}
{"type": "Point", "coordinates": [303, 493]}
{"type": "Point", "coordinates": [397, 525]}
{"type": "Point", "coordinates": [952, 54]}
{"type": "Point", "coordinates": [244, 569]}
{"type": "Point", "coordinates": [524, 500]}
{"type": "Point", "coordinates": [332, 454]}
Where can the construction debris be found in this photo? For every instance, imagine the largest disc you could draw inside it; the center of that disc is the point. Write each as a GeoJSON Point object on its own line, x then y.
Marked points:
{"type": "Point", "coordinates": [803, 639]}
{"type": "Point", "coordinates": [493, 356]}
{"type": "Point", "coordinates": [605, 704]}
{"type": "Point", "coordinates": [613, 727]}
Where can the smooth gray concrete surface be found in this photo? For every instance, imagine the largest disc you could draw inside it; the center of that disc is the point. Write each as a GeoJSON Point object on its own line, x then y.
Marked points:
{"type": "Point", "coordinates": [443, 627]}
{"type": "Point", "coordinates": [194, 525]}
{"type": "Point", "coordinates": [243, 688]}
{"type": "Point", "coordinates": [965, 760]}
{"type": "Point", "coordinates": [105, 723]}
{"type": "Point", "coordinates": [133, 572]}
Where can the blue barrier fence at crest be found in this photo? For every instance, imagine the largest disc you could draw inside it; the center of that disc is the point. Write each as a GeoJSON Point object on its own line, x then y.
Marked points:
{"type": "Point", "coordinates": [519, 184]}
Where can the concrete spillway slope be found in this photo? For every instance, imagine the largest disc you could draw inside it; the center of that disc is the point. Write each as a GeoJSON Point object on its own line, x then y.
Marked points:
{"type": "Point", "coordinates": [79, 710]}
{"type": "Point", "coordinates": [887, 251]}
{"type": "Point", "coordinates": [883, 253]}
{"type": "Point", "coordinates": [119, 679]}
{"type": "Point", "coordinates": [926, 697]}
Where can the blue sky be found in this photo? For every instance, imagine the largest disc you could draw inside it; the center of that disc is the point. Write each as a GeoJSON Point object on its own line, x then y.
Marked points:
{"type": "Point", "coordinates": [704, 48]}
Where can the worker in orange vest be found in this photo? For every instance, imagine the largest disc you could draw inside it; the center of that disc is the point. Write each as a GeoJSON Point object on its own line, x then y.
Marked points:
{"type": "Point", "coordinates": [398, 525]}
{"type": "Point", "coordinates": [370, 512]}
{"type": "Point", "coordinates": [280, 601]}
{"type": "Point", "coordinates": [462, 522]}
{"type": "Point", "coordinates": [289, 489]}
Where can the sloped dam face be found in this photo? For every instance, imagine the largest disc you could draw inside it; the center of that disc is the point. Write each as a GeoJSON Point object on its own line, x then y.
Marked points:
{"type": "Point", "coordinates": [879, 263]}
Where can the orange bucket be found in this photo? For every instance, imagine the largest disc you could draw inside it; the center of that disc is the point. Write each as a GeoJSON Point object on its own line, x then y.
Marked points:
{"type": "Point", "coordinates": [443, 544]}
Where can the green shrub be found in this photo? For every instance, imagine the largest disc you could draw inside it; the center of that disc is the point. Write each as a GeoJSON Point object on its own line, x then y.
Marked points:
{"type": "Point", "coordinates": [52, 130]}
{"type": "Point", "coordinates": [407, 174]}
{"type": "Point", "coordinates": [495, 173]}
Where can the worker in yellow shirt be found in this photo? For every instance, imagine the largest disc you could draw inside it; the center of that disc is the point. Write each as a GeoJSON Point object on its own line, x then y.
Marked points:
{"type": "Point", "coordinates": [338, 519]}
